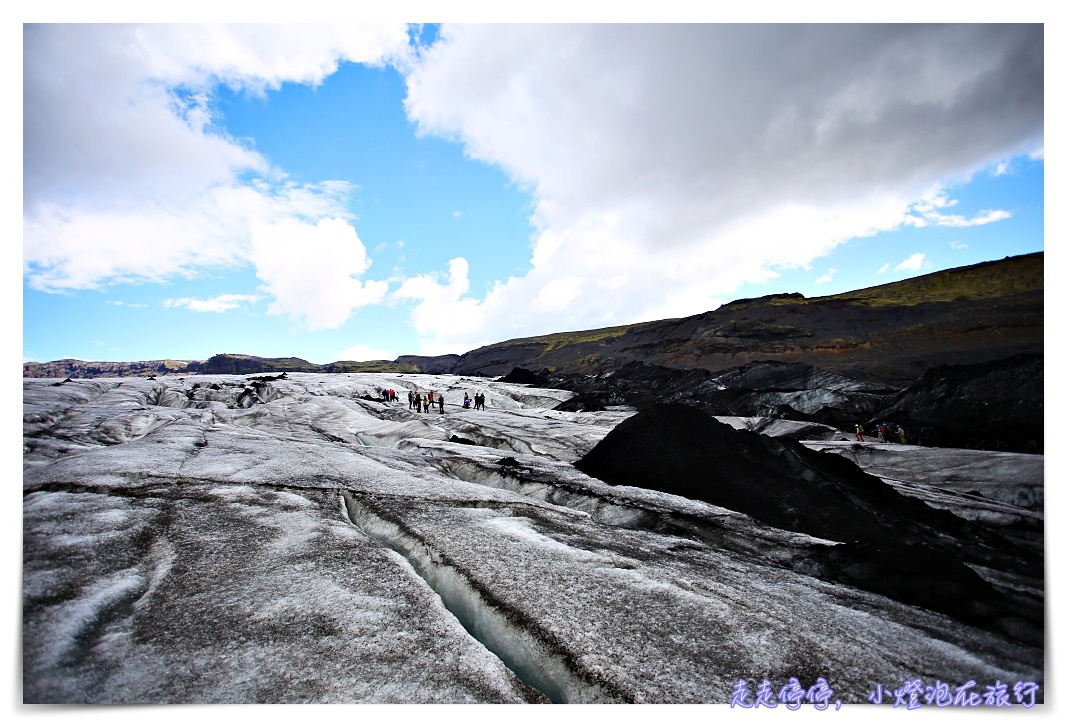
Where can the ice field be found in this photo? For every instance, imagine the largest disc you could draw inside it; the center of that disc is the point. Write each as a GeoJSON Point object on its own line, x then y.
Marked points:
{"type": "Point", "coordinates": [222, 539]}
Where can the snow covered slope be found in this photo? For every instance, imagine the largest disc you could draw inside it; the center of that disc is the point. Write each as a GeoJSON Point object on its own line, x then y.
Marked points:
{"type": "Point", "coordinates": [222, 539]}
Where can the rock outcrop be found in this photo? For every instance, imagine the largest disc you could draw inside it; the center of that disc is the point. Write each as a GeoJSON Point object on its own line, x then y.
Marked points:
{"type": "Point", "coordinates": [888, 543]}
{"type": "Point", "coordinates": [990, 406]}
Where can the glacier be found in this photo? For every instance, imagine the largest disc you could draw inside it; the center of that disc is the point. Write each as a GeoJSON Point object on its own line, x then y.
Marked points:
{"type": "Point", "coordinates": [231, 539]}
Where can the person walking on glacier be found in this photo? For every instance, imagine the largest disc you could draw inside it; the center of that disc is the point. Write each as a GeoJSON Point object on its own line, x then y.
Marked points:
{"type": "Point", "coordinates": [860, 433]}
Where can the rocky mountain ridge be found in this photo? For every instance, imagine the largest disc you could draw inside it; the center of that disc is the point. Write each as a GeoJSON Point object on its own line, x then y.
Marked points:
{"type": "Point", "coordinates": [890, 334]}
{"type": "Point", "coordinates": [231, 364]}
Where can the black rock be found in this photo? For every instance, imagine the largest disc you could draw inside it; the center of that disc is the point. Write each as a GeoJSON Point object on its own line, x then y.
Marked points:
{"type": "Point", "coordinates": [997, 405]}
{"type": "Point", "coordinates": [519, 375]}
{"type": "Point", "coordinates": [582, 402]}
{"type": "Point", "coordinates": [268, 377]}
{"type": "Point", "coordinates": [679, 449]}
{"type": "Point", "coordinates": [752, 390]}
{"type": "Point", "coordinates": [914, 574]}
{"type": "Point", "coordinates": [890, 544]}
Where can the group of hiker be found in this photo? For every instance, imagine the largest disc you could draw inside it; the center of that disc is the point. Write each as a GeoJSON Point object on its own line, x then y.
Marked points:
{"type": "Point", "coordinates": [884, 429]}
{"type": "Point", "coordinates": [426, 402]}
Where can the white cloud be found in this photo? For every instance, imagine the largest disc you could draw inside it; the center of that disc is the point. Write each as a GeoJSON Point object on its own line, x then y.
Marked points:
{"type": "Point", "coordinates": [127, 179]}
{"type": "Point", "coordinates": [218, 304]}
{"type": "Point", "coordinates": [668, 164]}
{"type": "Point", "coordinates": [433, 298]}
{"type": "Point", "coordinates": [957, 245]}
{"type": "Point", "coordinates": [913, 263]}
{"type": "Point", "coordinates": [312, 271]}
{"type": "Point", "coordinates": [695, 158]}
{"type": "Point", "coordinates": [557, 295]}
{"type": "Point", "coordinates": [925, 212]}
{"type": "Point", "coordinates": [362, 352]}
{"type": "Point", "coordinates": [826, 277]}
{"type": "Point", "coordinates": [884, 268]}
{"type": "Point", "coordinates": [127, 305]}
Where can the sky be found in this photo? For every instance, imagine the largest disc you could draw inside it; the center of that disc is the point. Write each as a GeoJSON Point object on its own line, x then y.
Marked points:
{"type": "Point", "coordinates": [355, 192]}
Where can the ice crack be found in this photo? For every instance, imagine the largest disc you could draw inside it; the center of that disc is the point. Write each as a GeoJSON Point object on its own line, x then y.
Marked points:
{"type": "Point", "coordinates": [537, 664]}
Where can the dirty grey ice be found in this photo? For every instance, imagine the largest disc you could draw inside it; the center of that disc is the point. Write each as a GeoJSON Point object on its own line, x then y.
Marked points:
{"type": "Point", "coordinates": [217, 539]}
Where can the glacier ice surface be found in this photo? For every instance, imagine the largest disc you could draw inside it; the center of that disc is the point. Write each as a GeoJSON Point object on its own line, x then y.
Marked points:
{"type": "Point", "coordinates": [184, 541]}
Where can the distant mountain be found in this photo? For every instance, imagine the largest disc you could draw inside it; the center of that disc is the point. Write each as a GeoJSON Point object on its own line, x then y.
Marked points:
{"type": "Point", "coordinates": [891, 333]}
{"type": "Point", "coordinates": [244, 364]}
{"type": "Point", "coordinates": [231, 364]}
{"type": "Point", "coordinates": [79, 369]}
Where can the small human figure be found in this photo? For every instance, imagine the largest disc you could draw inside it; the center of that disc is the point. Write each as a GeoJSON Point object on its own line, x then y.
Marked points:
{"type": "Point", "coordinates": [860, 433]}
{"type": "Point", "coordinates": [441, 404]}
{"type": "Point", "coordinates": [901, 433]}
{"type": "Point", "coordinates": [882, 432]}
{"type": "Point", "coordinates": [426, 405]}
{"type": "Point", "coordinates": [467, 401]}
{"type": "Point", "coordinates": [411, 398]}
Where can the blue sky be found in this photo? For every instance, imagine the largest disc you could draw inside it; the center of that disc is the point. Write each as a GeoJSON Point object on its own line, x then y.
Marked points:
{"type": "Point", "coordinates": [354, 192]}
